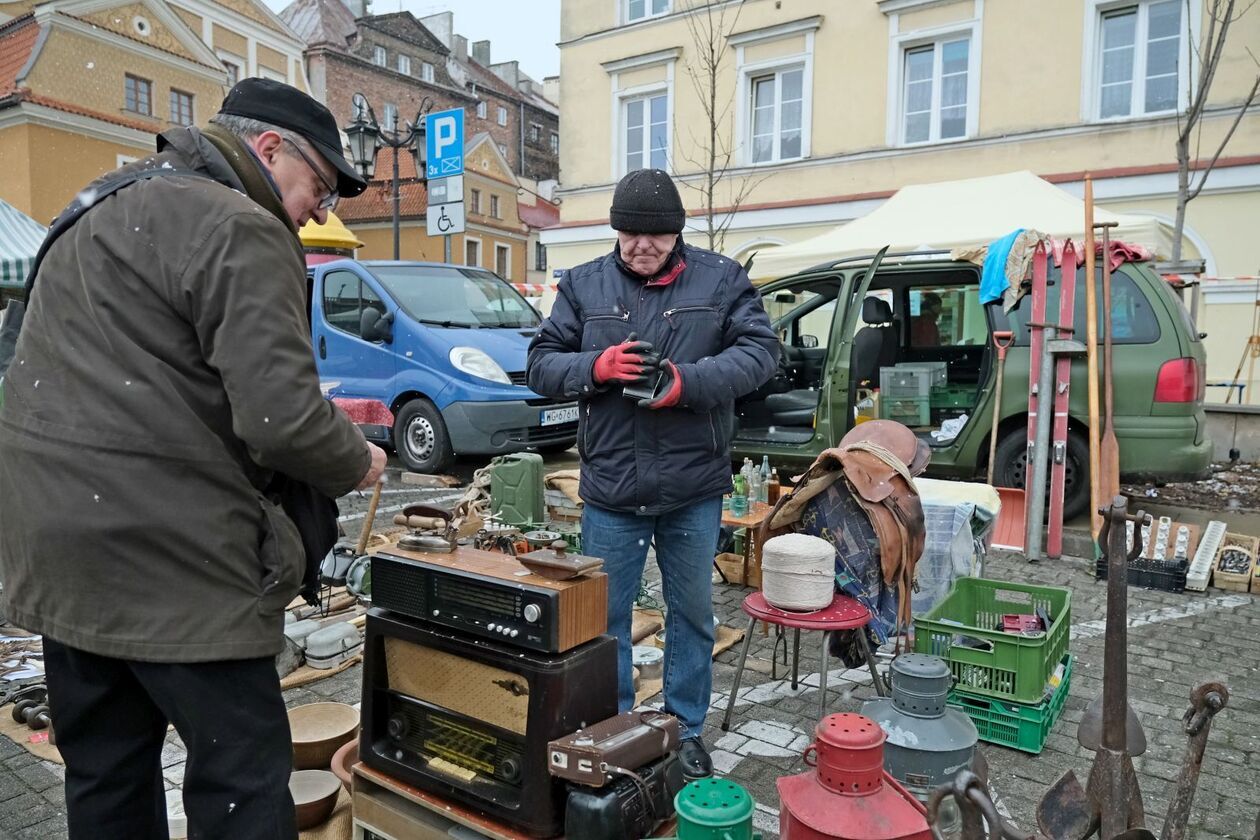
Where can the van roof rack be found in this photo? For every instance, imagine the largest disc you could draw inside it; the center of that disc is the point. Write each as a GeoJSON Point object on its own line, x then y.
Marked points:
{"type": "Point", "coordinates": [902, 256]}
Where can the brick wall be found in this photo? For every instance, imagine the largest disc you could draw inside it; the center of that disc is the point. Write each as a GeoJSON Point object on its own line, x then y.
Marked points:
{"type": "Point", "coordinates": [344, 76]}
{"type": "Point", "coordinates": [541, 163]}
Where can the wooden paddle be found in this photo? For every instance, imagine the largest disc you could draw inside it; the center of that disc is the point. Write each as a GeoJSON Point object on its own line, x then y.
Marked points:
{"type": "Point", "coordinates": [1091, 355]}
{"type": "Point", "coordinates": [1109, 447]}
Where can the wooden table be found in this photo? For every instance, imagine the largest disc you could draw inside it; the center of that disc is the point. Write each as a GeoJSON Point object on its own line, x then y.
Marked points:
{"type": "Point", "coordinates": [752, 520]}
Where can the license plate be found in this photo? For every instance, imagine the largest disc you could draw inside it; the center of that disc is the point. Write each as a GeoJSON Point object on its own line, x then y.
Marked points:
{"type": "Point", "coordinates": [552, 416]}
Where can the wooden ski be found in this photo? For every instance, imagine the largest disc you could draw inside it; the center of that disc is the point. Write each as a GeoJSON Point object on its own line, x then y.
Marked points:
{"type": "Point", "coordinates": [1062, 389]}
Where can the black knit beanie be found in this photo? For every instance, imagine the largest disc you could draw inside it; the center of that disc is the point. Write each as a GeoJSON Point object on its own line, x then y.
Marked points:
{"type": "Point", "coordinates": [646, 201]}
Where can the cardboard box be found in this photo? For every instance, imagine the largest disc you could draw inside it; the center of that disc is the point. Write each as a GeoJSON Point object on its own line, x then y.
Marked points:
{"type": "Point", "coordinates": [732, 565]}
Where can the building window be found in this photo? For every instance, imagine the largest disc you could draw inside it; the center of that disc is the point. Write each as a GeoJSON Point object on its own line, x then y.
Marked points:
{"type": "Point", "coordinates": [481, 110]}
{"type": "Point", "coordinates": [1139, 50]}
{"type": "Point", "coordinates": [777, 111]}
{"type": "Point", "coordinates": [474, 201]}
{"type": "Point", "coordinates": [404, 65]}
{"type": "Point", "coordinates": [379, 57]}
{"type": "Point", "coordinates": [391, 116]}
{"type": "Point", "coordinates": [274, 75]}
{"type": "Point", "coordinates": [535, 132]}
{"type": "Point", "coordinates": [540, 257]}
{"type": "Point", "coordinates": [233, 72]}
{"type": "Point", "coordinates": [426, 71]}
{"type": "Point", "coordinates": [181, 107]}
{"type": "Point", "coordinates": [494, 207]}
{"type": "Point", "coordinates": [645, 133]}
{"type": "Point", "coordinates": [640, 9]}
{"type": "Point", "coordinates": [501, 116]}
{"type": "Point", "coordinates": [139, 95]}
{"type": "Point", "coordinates": [503, 150]}
{"type": "Point", "coordinates": [935, 85]}
{"type": "Point", "coordinates": [555, 143]}
{"type": "Point", "coordinates": [472, 252]}
{"type": "Point", "coordinates": [503, 261]}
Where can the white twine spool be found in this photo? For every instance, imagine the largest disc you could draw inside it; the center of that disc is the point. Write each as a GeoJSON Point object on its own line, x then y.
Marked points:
{"type": "Point", "coordinates": [798, 572]}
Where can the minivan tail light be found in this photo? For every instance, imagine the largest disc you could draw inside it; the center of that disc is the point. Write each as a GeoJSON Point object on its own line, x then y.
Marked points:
{"type": "Point", "coordinates": [1179, 381]}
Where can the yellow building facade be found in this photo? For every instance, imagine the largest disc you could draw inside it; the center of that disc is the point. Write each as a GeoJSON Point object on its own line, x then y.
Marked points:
{"type": "Point", "coordinates": [85, 85]}
{"type": "Point", "coordinates": [827, 108]}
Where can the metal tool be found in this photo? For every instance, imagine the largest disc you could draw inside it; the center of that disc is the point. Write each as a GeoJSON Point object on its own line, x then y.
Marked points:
{"type": "Point", "coordinates": [1009, 531]}
{"type": "Point", "coordinates": [971, 794]}
{"type": "Point", "coordinates": [1040, 383]}
{"type": "Point", "coordinates": [1205, 701]}
{"type": "Point", "coordinates": [1091, 365]}
{"type": "Point", "coordinates": [1113, 787]}
{"type": "Point", "coordinates": [1062, 348]}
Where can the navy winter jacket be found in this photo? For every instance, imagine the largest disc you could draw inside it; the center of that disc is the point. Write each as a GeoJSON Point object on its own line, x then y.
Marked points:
{"type": "Point", "coordinates": [709, 322]}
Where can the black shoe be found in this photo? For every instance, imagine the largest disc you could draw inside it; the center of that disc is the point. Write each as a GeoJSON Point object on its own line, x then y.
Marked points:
{"type": "Point", "coordinates": [694, 759]}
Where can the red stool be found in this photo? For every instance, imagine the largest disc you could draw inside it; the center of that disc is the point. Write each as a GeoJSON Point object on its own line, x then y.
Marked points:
{"type": "Point", "coordinates": [844, 613]}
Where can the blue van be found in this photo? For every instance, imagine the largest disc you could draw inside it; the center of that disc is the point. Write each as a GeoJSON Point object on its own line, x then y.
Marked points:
{"type": "Point", "coordinates": [444, 347]}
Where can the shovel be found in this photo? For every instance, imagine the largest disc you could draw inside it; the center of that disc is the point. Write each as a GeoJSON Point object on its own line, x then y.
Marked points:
{"type": "Point", "coordinates": [1008, 533]}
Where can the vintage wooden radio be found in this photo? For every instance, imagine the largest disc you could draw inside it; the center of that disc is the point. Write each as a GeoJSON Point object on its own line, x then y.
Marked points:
{"type": "Point", "coordinates": [470, 720]}
{"type": "Point", "coordinates": [491, 596]}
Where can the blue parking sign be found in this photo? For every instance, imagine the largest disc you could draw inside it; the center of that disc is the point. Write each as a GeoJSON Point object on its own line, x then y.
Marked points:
{"type": "Point", "coordinates": [444, 143]}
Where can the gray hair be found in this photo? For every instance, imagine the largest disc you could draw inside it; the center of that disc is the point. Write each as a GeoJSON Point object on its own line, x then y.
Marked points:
{"type": "Point", "coordinates": [246, 128]}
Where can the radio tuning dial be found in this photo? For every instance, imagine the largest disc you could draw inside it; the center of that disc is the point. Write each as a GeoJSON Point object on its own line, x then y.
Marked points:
{"type": "Point", "coordinates": [396, 727]}
{"type": "Point", "coordinates": [532, 613]}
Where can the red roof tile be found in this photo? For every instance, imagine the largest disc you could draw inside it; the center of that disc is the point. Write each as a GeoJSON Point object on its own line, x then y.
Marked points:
{"type": "Point", "coordinates": [377, 203]}
{"type": "Point", "coordinates": [540, 215]}
{"type": "Point", "coordinates": [71, 108]}
{"type": "Point", "coordinates": [17, 39]}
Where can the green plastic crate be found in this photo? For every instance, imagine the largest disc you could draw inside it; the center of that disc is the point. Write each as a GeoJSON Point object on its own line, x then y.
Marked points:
{"type": "Point", "coordinates": [1014, 725]}
{"type": "Point", "coordinates": [1015, 667]}
{"type": "Point", "coordinates": [953, 396]}
{"type": "Point", "coordinates": [909, 411]}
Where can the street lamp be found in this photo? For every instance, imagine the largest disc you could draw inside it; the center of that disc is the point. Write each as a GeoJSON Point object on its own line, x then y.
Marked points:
{"type": "Point", "coordinates": [367, 138]}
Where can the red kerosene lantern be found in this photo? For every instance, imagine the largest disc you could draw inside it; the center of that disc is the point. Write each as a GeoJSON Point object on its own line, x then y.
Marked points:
{"type": "Point", "coordinates": [848, 795]}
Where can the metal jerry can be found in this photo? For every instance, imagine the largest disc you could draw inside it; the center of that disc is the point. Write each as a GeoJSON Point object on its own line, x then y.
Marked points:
{"type": "Point", "coordinates": [516, 489]}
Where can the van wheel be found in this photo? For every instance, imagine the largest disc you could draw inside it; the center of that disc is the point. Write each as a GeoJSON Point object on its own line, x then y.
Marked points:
{"type": "Point", "coordinates": [420, 438]}
{"type": "Point", "coordinates": [1010, 466]}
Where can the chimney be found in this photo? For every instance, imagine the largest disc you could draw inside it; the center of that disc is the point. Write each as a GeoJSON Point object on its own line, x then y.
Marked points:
{"type": "Point", "coordinates": [508, 71]}
{"type": "Point", "coordinates": [442, 26]}
{"type": "Point", "coordinates": [459, 49]}
{"type": "Point", "coordinates": [481, 52]}
{"type": "Point", "coordinates": [551, 89]}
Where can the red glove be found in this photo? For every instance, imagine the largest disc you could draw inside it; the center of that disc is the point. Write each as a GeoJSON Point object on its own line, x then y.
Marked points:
{"type": "Point", "coordinates": [672, 390]}
{"type": "Point", "coordinates": [623, 362]}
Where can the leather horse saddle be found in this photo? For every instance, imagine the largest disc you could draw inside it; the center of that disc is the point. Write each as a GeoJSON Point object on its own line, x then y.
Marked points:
{"type": "Point", "coordinates": [877, 461]}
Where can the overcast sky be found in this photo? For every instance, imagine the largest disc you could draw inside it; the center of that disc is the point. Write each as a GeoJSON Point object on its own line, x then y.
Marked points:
{"type": "Point", "coordinates": [525, 31]}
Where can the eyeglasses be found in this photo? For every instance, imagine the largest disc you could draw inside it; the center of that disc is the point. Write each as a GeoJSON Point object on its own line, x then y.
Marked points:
{"type": "Point", "coordinates": [329, 201]}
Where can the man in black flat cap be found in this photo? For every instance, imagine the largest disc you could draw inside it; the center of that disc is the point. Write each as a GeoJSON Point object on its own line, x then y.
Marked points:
{"type": "Point", "coordinates": [654, 468]}
{"type": "Point", "coordinates": [163, 376]}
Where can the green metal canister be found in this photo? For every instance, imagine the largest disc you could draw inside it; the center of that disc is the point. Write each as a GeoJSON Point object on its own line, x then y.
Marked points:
{"type": "Point", "coordinates": [516, 489]}
{"type": "Point", "coordinates": [714, 809]}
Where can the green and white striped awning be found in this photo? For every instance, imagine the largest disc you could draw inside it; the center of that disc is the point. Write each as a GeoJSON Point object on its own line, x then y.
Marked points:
{"type": "Point", "coordinates": [20, 238]}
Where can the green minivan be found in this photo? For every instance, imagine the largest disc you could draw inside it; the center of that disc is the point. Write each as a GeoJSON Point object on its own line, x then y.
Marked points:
{"type": "Point", "coordinates": [843, 322]}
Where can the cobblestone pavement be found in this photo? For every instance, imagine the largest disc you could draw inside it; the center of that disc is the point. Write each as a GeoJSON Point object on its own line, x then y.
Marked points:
{"type": "Point", "coordinates": [1175, 642]}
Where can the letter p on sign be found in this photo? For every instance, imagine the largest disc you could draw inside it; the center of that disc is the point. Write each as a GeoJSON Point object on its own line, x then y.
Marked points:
{"type": "Point", "coordinates": [444, 131]}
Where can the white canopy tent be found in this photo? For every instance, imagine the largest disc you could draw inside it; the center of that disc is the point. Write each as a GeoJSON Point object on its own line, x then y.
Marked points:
{"type": "Point", "coordinates": [951, 214]}
{"type": "Point", "coordinates": [20, 238]}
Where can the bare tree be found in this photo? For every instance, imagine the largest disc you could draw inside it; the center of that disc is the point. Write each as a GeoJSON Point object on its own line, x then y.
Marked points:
{"type": "Point", "coordinates": [1221, 15]}
{"type": "Point", "coordinates": [710, 23]}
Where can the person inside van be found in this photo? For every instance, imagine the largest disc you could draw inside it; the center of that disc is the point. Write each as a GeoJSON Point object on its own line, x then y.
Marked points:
{"type": "Point", "coordinates": [923, 329]}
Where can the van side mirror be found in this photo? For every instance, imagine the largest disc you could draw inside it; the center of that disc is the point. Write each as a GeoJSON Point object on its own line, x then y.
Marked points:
{"type": "Point", "coordinates": [373, 326]}
{"type": "Point", "coordinates": [808, 341]}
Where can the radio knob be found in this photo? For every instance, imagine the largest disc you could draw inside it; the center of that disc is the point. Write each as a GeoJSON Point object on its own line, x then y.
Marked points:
{"type": "Point", "coordinates": [510, 769]}
{"type": "Point", "coordinates": [515, 633]}
{"type": "Point", "coordinates": [532, 613]}
{"type": "Point", "coordinates": [396, 727]}
{"type": "Point", "coordinates": [505, 630]}
{"type": "Point", "coordinates": [492, 627]}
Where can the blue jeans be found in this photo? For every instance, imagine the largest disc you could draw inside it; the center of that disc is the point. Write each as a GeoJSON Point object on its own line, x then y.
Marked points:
{"type": "Point", "coordinates": [686, 540]}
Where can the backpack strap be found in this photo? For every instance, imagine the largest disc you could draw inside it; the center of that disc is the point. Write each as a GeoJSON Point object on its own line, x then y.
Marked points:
{"type": "Point", "coordinates": [89, 198]}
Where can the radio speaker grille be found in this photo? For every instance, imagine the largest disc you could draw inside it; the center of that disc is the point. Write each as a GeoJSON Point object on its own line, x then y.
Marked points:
{"type": "Point", "coordinates": [470, 688]}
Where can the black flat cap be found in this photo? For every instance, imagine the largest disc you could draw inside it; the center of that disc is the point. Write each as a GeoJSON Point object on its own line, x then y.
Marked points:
{"type": "Point", "coordinates": [287, 107]}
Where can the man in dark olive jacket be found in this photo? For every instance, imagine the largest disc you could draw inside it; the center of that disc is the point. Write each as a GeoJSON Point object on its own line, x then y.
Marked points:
{"type": "Point", "coordinates": [163, 374]}
{"type": "Point", "coordinates": [655, 469]}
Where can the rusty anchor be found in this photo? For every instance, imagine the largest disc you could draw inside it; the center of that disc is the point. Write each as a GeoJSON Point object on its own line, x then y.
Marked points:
{"type": "Point", "coordinates": [1205, 701]}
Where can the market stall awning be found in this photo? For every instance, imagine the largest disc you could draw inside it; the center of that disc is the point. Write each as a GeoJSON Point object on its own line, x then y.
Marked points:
{"type": "Point", "coordinates": [950, 214]}
{"type": "Point", "coordinates": [20, 238]}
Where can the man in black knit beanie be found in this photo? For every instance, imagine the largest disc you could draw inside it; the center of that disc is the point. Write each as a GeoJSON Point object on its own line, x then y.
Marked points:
{"type": "Point", "coordinates": [656, 341]}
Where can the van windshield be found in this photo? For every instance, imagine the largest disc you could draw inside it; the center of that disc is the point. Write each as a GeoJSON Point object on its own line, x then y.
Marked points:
{"type": "Point", "coordinates": [451, 296]}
